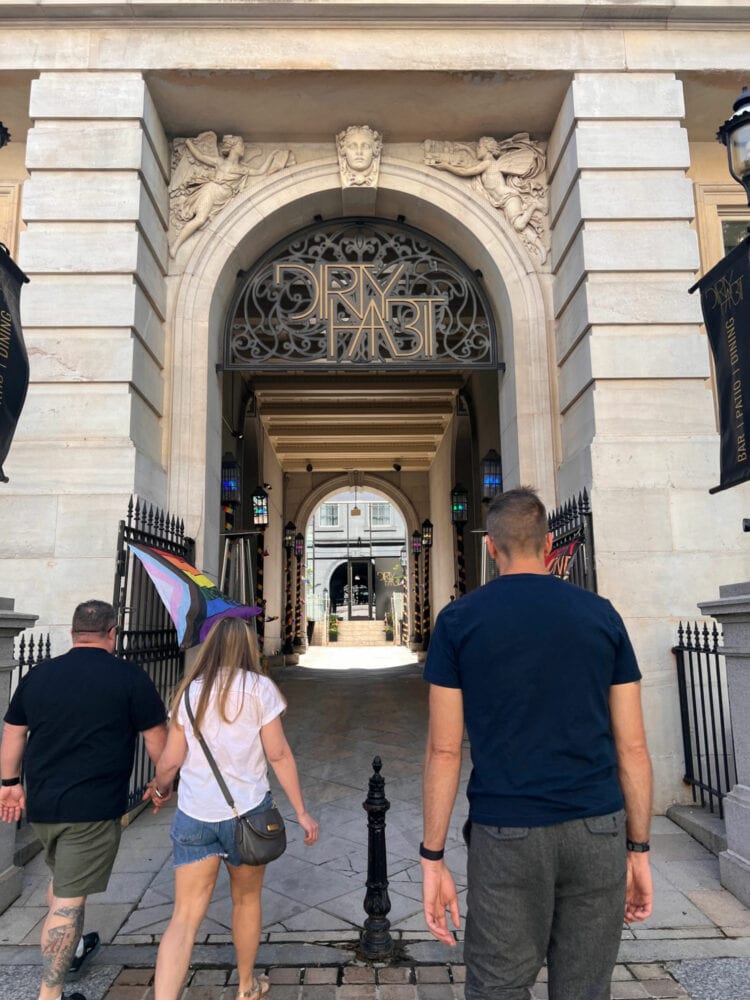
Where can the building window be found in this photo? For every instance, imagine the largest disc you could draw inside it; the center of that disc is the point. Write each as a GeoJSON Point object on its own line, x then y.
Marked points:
{"type": "Point", "coordinates": [733, 232]}
{"type": "Point", "coordinates": [380, 515]}
{"type": "Point", "coordinates": [329, 515]}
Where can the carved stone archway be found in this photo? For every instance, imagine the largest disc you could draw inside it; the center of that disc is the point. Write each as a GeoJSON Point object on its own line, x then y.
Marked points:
{"type": "Point", "coordinates": [260, 217]}
{"type": "Point", "coordinates": [365, 481]}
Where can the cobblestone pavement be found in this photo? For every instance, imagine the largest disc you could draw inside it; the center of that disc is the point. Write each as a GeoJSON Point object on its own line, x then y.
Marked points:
{"type": "Point", "coordinates": [427, 982]}
{"type": "Point", "coordinates": [337, 722]}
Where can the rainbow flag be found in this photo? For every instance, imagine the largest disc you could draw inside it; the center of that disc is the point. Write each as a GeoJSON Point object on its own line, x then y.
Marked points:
{"type": "Point", "coordinates": [194, 603]}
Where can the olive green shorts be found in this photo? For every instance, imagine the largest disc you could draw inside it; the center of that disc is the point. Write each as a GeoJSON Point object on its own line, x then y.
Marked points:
{"type": "Point", "coordinates": [80, 855]}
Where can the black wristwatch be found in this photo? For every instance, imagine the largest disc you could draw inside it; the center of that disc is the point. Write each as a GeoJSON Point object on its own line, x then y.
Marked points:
{"type": "Point", "coordinates": [428, 855]}
{"type": "Point", "coordinates": [9, 782]}
{"type": "Point", "coordinates": [640, 847]}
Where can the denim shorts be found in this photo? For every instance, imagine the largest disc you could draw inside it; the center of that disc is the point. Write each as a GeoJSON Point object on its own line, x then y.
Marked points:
{"type": "Point", "coordinates": [196, 839]}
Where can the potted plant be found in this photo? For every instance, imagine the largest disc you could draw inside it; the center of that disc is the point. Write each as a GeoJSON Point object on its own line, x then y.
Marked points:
{"type": "Point", "coordinates": [333, 629]}
{"type": "Point", "coordinates": [388, 624]}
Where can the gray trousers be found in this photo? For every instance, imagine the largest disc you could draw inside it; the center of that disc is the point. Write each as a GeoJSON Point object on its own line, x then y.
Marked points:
{"type": "Point", "coordinates": [548, 892]}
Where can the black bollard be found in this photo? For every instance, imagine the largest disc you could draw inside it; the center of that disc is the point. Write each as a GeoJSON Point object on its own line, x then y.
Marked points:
{"type": "Point", "coordinates": [375, 941]}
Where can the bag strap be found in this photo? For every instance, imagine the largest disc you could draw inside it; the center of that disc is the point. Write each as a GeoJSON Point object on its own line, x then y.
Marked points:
{"type": "Point", "coordinates": [209, 757]}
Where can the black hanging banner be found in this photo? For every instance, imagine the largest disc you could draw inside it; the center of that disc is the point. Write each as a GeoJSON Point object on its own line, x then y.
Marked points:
{"type": "Point", "coordinates": [725, 301]}
{"type": "Point", "coordinates": [14, 362]}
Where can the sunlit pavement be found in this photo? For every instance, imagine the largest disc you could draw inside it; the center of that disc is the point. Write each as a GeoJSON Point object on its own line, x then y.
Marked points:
{"type": "Point", "coordinates": [336, 657]}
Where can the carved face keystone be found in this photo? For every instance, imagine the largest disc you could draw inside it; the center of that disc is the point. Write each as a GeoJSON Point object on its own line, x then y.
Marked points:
{"type": "Point", "coordinates": [359, 151]}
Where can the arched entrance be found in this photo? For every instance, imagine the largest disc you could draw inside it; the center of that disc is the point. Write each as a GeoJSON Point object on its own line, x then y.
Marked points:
{"type": "Point", "coordinates": [520, 421]}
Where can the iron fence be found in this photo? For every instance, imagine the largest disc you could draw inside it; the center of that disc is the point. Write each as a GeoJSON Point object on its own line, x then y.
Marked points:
{"type": "Point", "coordinates": [572, 528]}
{"type": "Point", "coordinates": [707, 740]}
{"type": "Point", "coordinates": [30, 650]}
{"type": "Point", "coordinates": [146, 633]}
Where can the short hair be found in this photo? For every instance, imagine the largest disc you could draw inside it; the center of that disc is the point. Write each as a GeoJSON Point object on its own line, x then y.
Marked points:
{"type": "Point", "coordinates": [93, 616]}
{"type": "Point", "coordinates": [517, 522]}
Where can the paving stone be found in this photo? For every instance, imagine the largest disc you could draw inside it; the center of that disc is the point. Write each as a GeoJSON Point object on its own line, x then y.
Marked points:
{"type": "Point", "coordinates": [209, 977]}
{"type": "Point", "coordinates": [397, 974]}
{"type": "Point", "coordinates": [628, 991]}
{"type": "Point", "coordinates": [435, 991]}
{"type": "Point", "coordinates": [357, 992]}
{"type": "Point", "coordinates": [393, 991]}
{"type": "Point", "coordinates": [286, 992]}
{"type": "Point", "coordinates": [358, 974]}
{"type": "Point", "coordinates": [132, 993]}
{"type": "Point", "coordinates": [135, 977]}
{"type": "Point", "coordinates": [315, 977]}
{"type": "Point", "coordinates": [648, 970]}
{"type": "Point", "coordinates": [207, 992]}
{"type": "Point", "coordinates": [663, 987]}
{"type": "Point", "coordinates": [433, 974]}
{"type": "Point", "coordinates": [319, 992]}
{"type": "Point", "coordinates": [285, 976]}
{"type": "Point", "coordinates": [459, 973]}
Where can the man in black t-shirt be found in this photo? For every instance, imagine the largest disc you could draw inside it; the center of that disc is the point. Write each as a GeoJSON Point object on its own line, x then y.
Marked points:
{"type": "Point", "coordinates": [545, 678]}
{"type": "Point", "coordinates": [73, 722]}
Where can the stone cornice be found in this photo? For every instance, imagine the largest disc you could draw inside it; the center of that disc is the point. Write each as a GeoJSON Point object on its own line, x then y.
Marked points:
{"type": "Point", "coordinates": [656, 13]}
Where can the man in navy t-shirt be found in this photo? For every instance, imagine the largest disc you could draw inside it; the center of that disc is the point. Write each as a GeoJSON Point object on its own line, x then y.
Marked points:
{"type": "Point", "coordinates": [73, 722]}
{"type": "Point", "coordinates": [544, 677]}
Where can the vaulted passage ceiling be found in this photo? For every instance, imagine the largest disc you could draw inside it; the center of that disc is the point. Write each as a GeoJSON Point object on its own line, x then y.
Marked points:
{"type": "Point", "coordinates": [366, 424]}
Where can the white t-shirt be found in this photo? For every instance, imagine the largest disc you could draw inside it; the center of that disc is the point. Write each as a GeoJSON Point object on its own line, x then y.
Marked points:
{"type": "Point", "coordinates": [236, 747]}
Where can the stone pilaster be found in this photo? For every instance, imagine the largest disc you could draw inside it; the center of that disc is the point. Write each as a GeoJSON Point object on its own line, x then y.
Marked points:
{"type": "Point", "coordinates": [95, 248]}
{"type": "Point", "coordinates": [732, 610]}
{"type": "Point", "coordinates": [11, 624]}
{"type": "Point", "coordinates": [636, 409]}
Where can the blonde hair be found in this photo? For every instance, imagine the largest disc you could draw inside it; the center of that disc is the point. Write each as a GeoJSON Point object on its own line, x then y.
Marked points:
{"type": "Point", "coordinates": [230, 648]}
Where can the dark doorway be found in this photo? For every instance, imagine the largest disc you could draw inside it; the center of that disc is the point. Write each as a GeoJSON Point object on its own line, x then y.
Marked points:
{"type": "Point", "coordinates": [353, 589]}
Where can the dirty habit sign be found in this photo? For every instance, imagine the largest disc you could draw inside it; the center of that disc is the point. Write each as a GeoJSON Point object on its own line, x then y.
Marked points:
{"type": "Point", "coordinates": [725, 301]}
{"type": "Point", "coordinates": [14, 362]}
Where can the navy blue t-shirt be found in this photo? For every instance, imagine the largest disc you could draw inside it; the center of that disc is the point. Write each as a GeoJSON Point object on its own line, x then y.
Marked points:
{"type": "Point", "coordinates": [535, 658]}
{"type": "Point", "coordinates": [84, 710]}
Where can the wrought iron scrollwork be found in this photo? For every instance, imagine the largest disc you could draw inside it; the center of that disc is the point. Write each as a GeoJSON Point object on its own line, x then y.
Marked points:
{"type": "Point", "coordinates": [358, 293]}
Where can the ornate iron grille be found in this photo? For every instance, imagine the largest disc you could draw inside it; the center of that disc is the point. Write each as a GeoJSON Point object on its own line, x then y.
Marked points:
{"type": "Point", "coordinates": [360, 293]}
{"type": "Point", "coordinates": [572, 528]}
{"type": "Point", "coordinates": [146, 633]}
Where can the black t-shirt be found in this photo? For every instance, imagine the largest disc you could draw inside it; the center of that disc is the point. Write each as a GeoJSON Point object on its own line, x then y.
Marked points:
{"type": "Point", "coordinates": [535, 659]}
{"type": "Point", "coordinates": [84, 710]}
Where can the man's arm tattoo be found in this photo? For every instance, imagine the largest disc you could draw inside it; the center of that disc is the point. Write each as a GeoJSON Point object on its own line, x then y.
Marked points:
{"type": "Point", "coordinates": [59, 943]}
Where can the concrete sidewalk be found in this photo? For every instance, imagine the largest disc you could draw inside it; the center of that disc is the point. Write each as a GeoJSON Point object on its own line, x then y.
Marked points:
{"type": "Point", "coordinates": [696, 944]}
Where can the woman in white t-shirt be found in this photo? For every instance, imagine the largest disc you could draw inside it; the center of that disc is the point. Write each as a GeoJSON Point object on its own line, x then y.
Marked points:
{"type": "Point", "coordinates": [238, 711]}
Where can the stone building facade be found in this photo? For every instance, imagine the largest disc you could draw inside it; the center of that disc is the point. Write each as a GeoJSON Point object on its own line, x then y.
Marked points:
{"type": "Point", "coordinates": [560, 155]}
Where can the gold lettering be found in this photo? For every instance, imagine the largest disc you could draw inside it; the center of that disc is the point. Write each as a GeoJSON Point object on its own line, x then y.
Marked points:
{"type": "Point", "coordinates": [363, 312]}
{"type": "Point", "coordinates": [284, 269]}
{"type": "Point", "coordinates": [5, 331]}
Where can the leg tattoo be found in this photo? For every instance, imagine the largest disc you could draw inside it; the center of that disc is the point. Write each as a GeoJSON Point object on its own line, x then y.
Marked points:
{"type": "Point", "coordinates": [59, 942]}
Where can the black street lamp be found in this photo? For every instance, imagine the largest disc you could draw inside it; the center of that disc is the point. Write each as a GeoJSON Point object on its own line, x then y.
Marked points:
{"type": "Point", "coordinates": [230, 489]}
{"type": "Point", "coordinates": [492, 476]}
{"type": "Point", "coordinates": [459, 516]}
{"type": "Point", "coordinates": [299, 551]}
{"type": "Point", "coordinates": [416, 548]}
{"type": "Point", "coordinates": [735, 135]}
{"type": "Point", "coordinates": [259, 501]}
{"type": "Point", "coordinates": [426, 546]}
{"type": "Point", "coordinates": [290, 531]}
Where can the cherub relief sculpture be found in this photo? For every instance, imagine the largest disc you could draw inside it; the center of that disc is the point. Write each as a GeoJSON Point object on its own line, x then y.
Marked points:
{"type": "Point", "coordinates": [359, 149]}
{"type": "Point", "coordinates": [508, 173]}
{"type": "Point", "coordinates": [206, 175]}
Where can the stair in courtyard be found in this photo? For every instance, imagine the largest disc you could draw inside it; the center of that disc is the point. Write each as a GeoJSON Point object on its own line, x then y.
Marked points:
{"type": "Point", "coordinates": [355, 633]}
